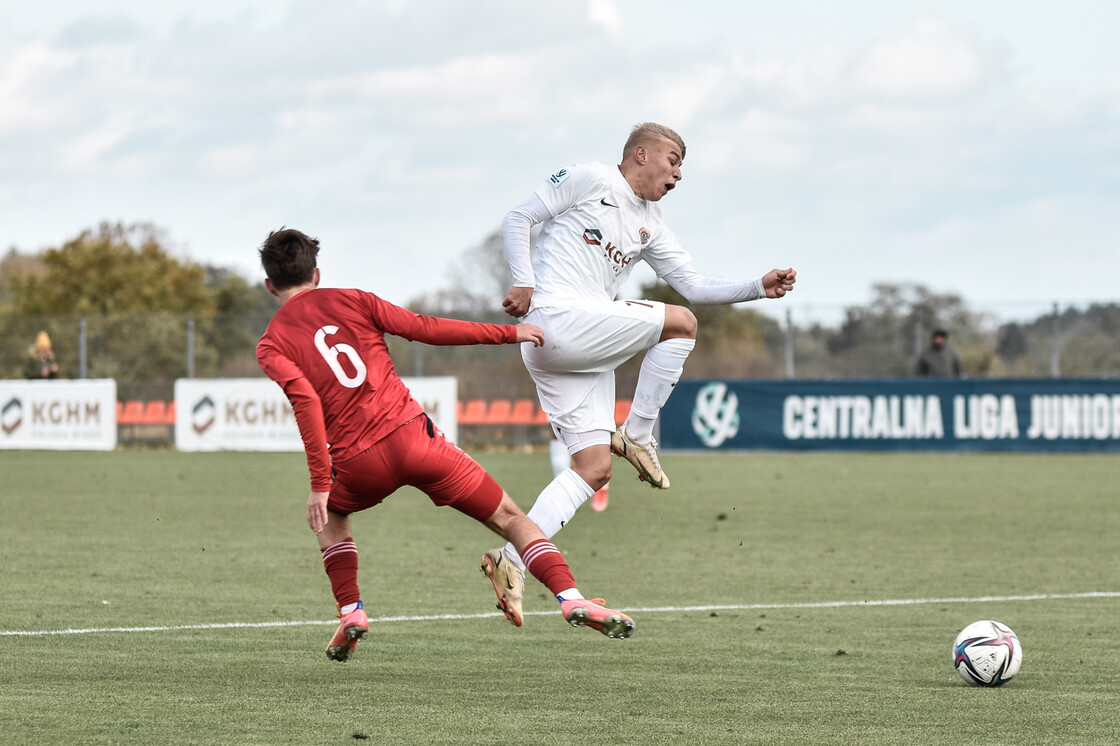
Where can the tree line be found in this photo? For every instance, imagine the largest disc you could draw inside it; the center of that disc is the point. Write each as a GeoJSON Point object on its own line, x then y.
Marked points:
{"type": "Point", "coordinates": [134, 299]}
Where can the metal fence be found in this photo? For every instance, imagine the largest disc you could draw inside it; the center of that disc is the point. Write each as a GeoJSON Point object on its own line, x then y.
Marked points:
{"type": "Point", "coordinates": [146, 353]}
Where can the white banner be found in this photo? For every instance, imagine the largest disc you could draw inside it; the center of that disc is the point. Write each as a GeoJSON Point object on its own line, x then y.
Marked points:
{"type": "Point", "coordinates": [438, 395]}
{"type": "Point", "coordinates": [59, 415]}
{"type": "Point", "coordinates": [252, 414]}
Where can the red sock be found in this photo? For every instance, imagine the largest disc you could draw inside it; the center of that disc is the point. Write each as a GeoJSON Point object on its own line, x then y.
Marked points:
{"type": "Point", "coordinates": [341, 563]}
{"type": "Point", "coordinates": [547, 565]}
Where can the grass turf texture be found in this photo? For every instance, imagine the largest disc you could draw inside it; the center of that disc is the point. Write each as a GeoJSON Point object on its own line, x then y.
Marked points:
{"type": "Point", "coordinates": [133, 539]}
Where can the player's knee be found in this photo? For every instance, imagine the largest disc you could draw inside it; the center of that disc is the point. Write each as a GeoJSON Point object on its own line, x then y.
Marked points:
{"type": "Point", "coordinates": [597, 474]}
{"type": "Point", "coordinates": [336, 529]}
{"type": "Point", "coordinates": [504, 515]}
{"type": "Point", "coordinates": [593, 464]}
{"type": "Point", "coordinates": [679, 323]}
{"type": "Point", "coordinates": [508, 510]}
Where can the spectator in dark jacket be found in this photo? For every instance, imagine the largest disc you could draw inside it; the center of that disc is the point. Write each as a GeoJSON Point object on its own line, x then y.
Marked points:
{"type": "Point", "coordinates": [939, 360]}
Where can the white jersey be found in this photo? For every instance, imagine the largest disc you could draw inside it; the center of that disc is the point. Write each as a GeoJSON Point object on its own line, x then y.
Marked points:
{"type": "Point", "coordinates": [599, 228]}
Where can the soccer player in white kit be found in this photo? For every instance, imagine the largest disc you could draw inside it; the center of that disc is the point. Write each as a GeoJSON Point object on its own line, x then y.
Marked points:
{"type": "Point", "coordinates": [598, 222]}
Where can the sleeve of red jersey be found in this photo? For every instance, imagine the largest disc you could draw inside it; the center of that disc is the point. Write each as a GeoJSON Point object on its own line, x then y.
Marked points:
{"type": "Point", "coordinates": [434, 330]}
{"type": "Point", "coordinates": [313, 429]}
{"type": "Point", "coordinates": [275, 365]}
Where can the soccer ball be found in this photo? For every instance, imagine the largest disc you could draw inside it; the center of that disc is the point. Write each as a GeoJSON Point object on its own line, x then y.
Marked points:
{"type": "Point", "coordinates": [987, 653]}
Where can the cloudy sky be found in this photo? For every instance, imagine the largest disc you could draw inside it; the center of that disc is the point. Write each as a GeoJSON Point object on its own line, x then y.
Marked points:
{"type": "Point", "coordinates": [973, 147]}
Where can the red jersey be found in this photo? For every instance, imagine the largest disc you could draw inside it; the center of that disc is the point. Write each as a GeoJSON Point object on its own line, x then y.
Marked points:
{"type": "Point", "coordinates": [335, 339]}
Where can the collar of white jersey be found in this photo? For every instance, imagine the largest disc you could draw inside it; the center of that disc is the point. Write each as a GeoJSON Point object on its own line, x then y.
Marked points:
{"type": "Point", "coordinates": [623, 186]}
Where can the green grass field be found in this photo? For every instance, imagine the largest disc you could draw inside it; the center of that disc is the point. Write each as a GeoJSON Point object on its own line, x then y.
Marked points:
{"type": "Point", "coordinates": [756, 584]}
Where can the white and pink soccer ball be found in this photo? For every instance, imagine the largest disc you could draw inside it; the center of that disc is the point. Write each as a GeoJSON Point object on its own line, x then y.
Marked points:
{"type": "Point", "coordinates": [987, 653]}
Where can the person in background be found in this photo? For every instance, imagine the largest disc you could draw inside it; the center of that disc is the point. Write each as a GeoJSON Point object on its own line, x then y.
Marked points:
{"type": "Point", "coordinates": [940, 360]}
{"type": "Point", "coordinates": [41, 363]}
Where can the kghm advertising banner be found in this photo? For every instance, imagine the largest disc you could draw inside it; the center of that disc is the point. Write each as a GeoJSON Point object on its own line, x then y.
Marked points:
{"type": "Point", "coordinates": [253, 414]}
{"type": "Point", "coordinates": [895, 414]}
{"type": "Point", "coordinates": [59, 415]}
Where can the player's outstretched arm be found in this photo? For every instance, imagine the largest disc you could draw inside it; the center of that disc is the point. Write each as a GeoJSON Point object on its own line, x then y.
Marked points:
{"type": "Point", "coordinates": [778, 282]}
{"type": "Point", "coordinates": [698, 288]}
{"type": "Point", "coordinates": [530, 333]}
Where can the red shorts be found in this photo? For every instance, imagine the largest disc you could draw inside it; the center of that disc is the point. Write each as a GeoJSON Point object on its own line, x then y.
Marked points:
{"type": "Point", "coordinates": [418, 455]}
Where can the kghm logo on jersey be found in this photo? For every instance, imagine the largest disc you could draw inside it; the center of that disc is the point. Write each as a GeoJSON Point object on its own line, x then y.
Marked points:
{"type": "Point", "coordinates": [643, 235]}
{"type": "Point", "coordinates": [594, 237]}
{"type": "Point", "coordinates": [557, 178]}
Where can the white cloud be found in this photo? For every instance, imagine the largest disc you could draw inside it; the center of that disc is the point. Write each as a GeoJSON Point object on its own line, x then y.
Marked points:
{"type": "Point", "coordinates": [22, 68]}
{"type": "Point", "coordinates": [463, 87]}
{"type": "Point", "coordinates": [809, 80]}
{"type": "Point", "coordinates": [928, 61]}
{"type": "Point", "coordinates": [605, 13]}
{"type": "Point", "coordinates": [96, 30]}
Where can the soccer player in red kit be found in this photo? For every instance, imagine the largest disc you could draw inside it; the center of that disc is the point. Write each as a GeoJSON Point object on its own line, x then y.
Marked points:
{"type": "Point", "coordinates": [365, 436]}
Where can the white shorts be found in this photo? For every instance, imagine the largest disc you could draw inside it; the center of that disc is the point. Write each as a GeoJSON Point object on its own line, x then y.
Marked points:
{"type": "Point", "coordinates": [574, 370]}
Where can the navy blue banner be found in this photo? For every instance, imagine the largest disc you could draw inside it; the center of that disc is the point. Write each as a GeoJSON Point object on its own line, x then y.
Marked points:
{"type": "Point", "coordinates": [895, 414]}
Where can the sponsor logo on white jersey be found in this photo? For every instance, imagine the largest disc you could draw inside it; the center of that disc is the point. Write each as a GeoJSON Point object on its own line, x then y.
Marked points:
{"type": "Point", "coordinates": [594, 237]}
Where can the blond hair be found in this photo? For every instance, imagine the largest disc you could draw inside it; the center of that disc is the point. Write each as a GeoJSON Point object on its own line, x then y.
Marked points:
{"type": "Point", "coordinates": [646, 131]}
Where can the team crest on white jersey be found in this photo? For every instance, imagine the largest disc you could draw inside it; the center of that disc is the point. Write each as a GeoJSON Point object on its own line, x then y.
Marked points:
{"type": "Point", "coordinates": [558, 178]}
{"type": "Point", "coordinates": [643, 234]}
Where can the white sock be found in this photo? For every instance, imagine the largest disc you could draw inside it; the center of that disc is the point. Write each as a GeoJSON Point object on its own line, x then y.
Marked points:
{"type": "Point", "coordinates": [661, 369]}
{"type": "Point", "coordinates": [555, 506]}
{"type": "Point", "coordinates": [561, 459]}
{"type": "Point", "coordinates": [569, 595]}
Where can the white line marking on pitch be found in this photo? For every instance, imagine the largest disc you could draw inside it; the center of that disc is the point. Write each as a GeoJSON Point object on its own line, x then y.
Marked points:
{"type": "Point", "coordinates": [647, 610]}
